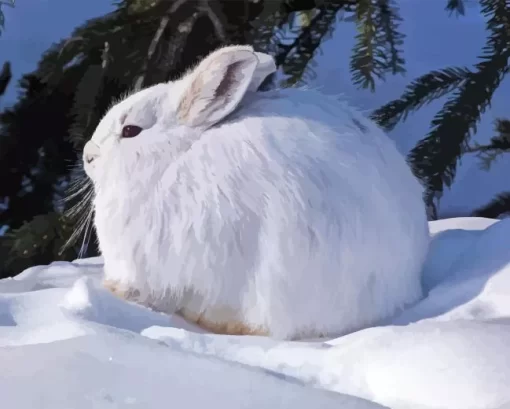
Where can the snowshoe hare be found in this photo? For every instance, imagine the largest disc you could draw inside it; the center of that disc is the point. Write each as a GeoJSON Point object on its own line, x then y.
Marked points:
{"type": "Point", "coordinates": [284, 213]}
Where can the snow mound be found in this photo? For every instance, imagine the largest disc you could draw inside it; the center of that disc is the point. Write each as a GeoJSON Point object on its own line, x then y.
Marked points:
{"type": "Point", "coordinates": [115, 369]}
{"type": "Point", "coordinates": [65, 342]}
{"type": "Point", "coordinates": [397, 366]}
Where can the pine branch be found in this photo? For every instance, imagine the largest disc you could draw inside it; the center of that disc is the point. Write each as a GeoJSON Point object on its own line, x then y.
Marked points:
{"type": "Point", "coordinates": [141, 79]}
{"type": "Point", "coordinates": [124, 29]}
{"type": "Point", "coordinates": [497, 207]}
{"type": "Point", "coordinates": [267, 25]}
{"type": "Point", "coordinates": [456, 6]}
{"type": "Point", "coordinates": [378, 38]}
{"type": "Point", "coordinates": [38, 242]}
{"type": "Point", "coordinates": [85, 100]}
{"type": "Point", "coordinates": [295, 57]}
{"type": "Point", "coordinates": [136, 6]}
{"type": "Point", "coordinates": [263, 33]}
{"type": "Point", "coordinates": [498, 145]}
{"type": "Point", "coordinates": [182, 20]}
{"type": "Point", "coordinates": [435, 157]}
{"type": "Point", "coordinates": [388, 19]}
{"type": "Point", "coordinates": [5, 77]}
{"type": "Point", "coordinates": [175, 47]}
{"type": "Point", "coordinates": [364, 64]}
{"type": "Point", "coordinates": [420, 92]}
{"type": "Point", "coordinates": [273, 32]}
{"type": "Point", "coordinates": [218, 19]}
{"type": "Point", "coordinates": [10, 3]}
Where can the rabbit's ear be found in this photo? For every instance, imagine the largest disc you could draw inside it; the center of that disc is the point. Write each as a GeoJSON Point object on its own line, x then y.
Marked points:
{"type": "Point", "coordinates": [265, 67]}
{"type": "Point", "coordinates": [217, 86]}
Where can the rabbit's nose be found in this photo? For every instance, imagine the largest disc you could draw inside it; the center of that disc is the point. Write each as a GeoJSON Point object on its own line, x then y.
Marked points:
{"type": "Point", "coordinates": [90, 152]}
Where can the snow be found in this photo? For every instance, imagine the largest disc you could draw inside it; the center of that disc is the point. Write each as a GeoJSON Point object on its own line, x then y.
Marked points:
{"type": "Point", "coordinates": [67, 343]}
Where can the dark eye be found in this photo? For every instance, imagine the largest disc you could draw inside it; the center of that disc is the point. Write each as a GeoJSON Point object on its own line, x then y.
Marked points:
{"type": "Point", "coordinates": [130, 131]}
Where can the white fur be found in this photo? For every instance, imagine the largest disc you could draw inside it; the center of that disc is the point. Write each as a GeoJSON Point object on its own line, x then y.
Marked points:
{"type": "Point", "coordinates": [286, 216]}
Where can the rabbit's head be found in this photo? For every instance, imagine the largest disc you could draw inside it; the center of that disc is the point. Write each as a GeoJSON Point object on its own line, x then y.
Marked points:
{"type": "Point", "coordinates": [153, 127]}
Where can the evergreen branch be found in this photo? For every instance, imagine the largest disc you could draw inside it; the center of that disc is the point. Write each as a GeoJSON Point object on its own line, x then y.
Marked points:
{"type": "Point", "coordinates": [279, 10]}
{"type": "Point", "coordinates": [184, 25]}
{"type": "Point", "coordinates": [271, 8]}
{"type": "Point", "coordinates": [116, 27]}
{"type": "Point", "coordinates": [275, 15]}
{"type": "Point", "coordinates": [295, 57]}
{"type": "Point", "coordinates": [363, 63]}
{"type": "Point", "coordinates": [274, 33]}
{"type": "Point", "coordinates": [456, 6]}
{"type": "Point", "coordinates": [10, 3]}
{"type": "Point", "coordinates": [376, 51]}
{"type": "Point", "coordinates": [5, 77]}
{"type": "Point", "coordinates": [435, 157]}
{"type": "Point", "coordinates": [262, 33]}
{"type": "Point", "coordinates": [37, 242]}
{"type": "Point", "coordinates": [498, 144]}
{"type": "Point", "coordinates": [140, 80]}
{"type": "Point", "coordinates": [85, 98]}
{"type": "Point", "coordinates": [265, 28]}
{"type": "Point", "coordinates": [213, 11]}
{"type": "Point", "coordinates": [497, 207]}
{"type": "Point", "coordinates": [136, 6]}
{"type": "Point", "coordinates": [421, 91]}
{"type": "Point", "coordinates": [388, 18]}
{"type": "Point", "coordinates": [176, 45]}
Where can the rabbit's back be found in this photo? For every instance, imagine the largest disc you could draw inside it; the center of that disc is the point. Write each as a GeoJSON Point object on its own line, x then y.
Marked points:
{"type": "Point", "coordinates": [307, 205]}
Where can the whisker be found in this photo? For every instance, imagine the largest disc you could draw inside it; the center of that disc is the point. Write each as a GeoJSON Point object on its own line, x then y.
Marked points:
{"type": "Point", "coordinates": [86, 236]}
{"type": "Point", "coordinates": [80, 189]}
{"type": "Point", "coordinates": [81, 222]}
{"type": "Point", "coordinates": [81, 226]}
{"type": "Point", "coordinates": [84, 202]}
{"type": "Point", "coordinates": [78, 208]}
{"type": "Point", "coordinates": [79, 180]}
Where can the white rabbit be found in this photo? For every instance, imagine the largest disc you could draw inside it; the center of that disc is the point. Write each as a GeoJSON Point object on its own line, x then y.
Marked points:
{"type": "Point", "coordinates": [283, 213]}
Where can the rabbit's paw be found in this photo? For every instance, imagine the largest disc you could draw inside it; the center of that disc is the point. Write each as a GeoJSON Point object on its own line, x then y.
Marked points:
{"type": "Point", "coordinates": [120, 291]}
{"type": "Point", "coordinates": [225, 327]}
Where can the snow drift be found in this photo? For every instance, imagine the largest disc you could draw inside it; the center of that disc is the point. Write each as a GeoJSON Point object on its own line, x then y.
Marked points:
{"type": "Point", "coordinates": [67, 343]}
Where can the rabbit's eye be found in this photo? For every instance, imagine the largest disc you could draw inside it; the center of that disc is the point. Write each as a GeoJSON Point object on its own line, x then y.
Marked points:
{"type": "Point", "coordinates": [130, 131]}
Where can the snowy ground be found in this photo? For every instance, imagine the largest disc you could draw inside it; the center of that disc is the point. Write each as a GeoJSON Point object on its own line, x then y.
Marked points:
{"type": "Point", "coordinates": [67, 344]}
